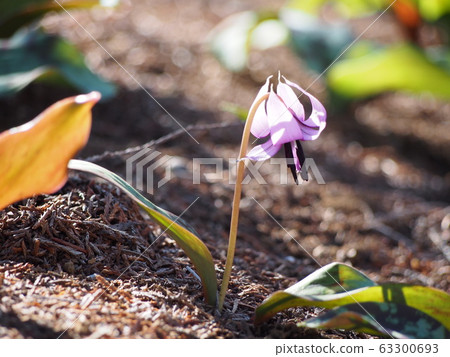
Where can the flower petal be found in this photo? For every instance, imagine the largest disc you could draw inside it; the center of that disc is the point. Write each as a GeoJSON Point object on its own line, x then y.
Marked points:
{"type": "Point", "coordinates": [263, 152]}
{"type": "Point", "coordinates": [291, 101]}
{"type": "Point", "coordinates": [284, 127]}
{"type": "Point", "coordinates": [260, 126]}
{"type": "Point", "coordinates": [317, 119]}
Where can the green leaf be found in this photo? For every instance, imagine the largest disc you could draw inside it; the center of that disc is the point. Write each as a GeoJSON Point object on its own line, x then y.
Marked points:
{"type": "Point", "coordinates": [388, 319]}
{"type": "Point", "coordinates": [35, 55]}
{"type": "Point", "coordinates": [331, 279]}
{"type": "Point", "coordinates": [194, 248]}
{"type": "Point", "coordinates": [337, 285]}
{"type": "Point", "coordinates": [430, 10]}
{"type": "Point", "coordinates": [309, 6]}
{"type": "Point", "coordinates": [433, 9]}
{"type": "Point", "coordinates": [17, 13]}
{"type": "Point", "coordinates": [349, 8]}
{"type": "Point", "coordinates": [401, 67]}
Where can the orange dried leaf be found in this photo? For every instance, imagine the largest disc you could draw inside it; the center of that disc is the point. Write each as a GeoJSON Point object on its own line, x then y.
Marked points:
{"type": "Point", "coordinates": [34, 156]}
{"type": "Point", "coordinates": [407, 13]}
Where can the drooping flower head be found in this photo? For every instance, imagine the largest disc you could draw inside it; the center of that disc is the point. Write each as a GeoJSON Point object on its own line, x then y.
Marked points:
{"type": "Point", "coordinates": [281, 117]}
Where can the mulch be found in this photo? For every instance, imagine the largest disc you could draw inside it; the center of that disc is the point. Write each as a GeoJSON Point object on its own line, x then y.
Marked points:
{"type": "Point", "coordinates": [85, 262]}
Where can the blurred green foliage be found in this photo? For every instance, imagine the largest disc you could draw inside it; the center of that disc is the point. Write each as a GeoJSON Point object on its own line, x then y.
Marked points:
{"type": "Point", "coordinates": [430, 10]}
{"type": "Point", "coordinates": [401, 67]}
{"type": "Point", "coordinates": [35, 55]}
{"type": "Point", "coordinates": [350, 8]}
{"type": "Point", "coordinates": [351, 67]}
{"type": "Point", "coordinates": [232, 40]}
{"type": "Point", "coordinates": [27, 53]}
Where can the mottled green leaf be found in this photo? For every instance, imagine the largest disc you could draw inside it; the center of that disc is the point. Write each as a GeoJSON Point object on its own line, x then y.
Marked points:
{"type": "Point", "coordinates": [401, 67]}
{"type": "Point", "coordinates": [186, 238]}
{"type": "Point", "coordinates": [323, 290]}
{"type": "Point", "coordinates": [388, 319]}
{"type": "Point", "coordinates": [35, 55]}
{"type": "Point", "coordinates": [331, 279]}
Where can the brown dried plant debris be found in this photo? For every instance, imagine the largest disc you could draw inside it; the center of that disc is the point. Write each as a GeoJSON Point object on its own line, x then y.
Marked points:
{"type": "Point", "coordinates": [84, 263]}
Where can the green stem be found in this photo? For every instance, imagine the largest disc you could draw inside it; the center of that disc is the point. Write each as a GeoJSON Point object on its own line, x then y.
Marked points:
{"type": "Point", "coordinates": [237, 200]}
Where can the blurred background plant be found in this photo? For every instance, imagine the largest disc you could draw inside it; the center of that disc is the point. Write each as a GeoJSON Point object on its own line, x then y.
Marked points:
{"type": "Point", "coordinates": [28, 53]}
{"type": "Point", "coordinates": [325, 35]}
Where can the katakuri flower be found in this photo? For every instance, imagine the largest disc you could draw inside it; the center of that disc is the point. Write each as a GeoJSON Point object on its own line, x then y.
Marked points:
{"type": "Point", "coordinates": [282, 117]}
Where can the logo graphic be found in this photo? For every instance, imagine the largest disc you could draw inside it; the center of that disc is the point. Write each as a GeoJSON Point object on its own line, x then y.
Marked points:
{"type": "Point", "coordinates": [144, 164]}
{"type": "Point", "coordinates": [219, 174]}
{"type": "Point", "coordinates": [157, 169]}
{"type": "Point", "coordinates": [308, 165]}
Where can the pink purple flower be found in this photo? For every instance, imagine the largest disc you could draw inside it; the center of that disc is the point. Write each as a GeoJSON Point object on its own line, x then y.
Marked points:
{"type": "Point", "coordinates": [281, 118]}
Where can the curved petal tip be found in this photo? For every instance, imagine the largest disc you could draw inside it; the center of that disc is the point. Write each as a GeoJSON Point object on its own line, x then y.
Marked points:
{"type": "Point", "coordinates": [90, 97]}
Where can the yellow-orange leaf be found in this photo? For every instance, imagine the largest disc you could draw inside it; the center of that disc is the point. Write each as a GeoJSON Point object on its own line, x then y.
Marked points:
{"type": "Point", "coordinates": [34, 156]}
